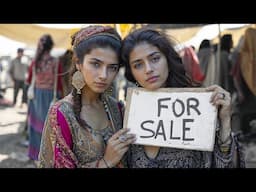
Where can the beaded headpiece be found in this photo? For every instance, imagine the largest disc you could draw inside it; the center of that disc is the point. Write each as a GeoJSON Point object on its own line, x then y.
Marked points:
{"type": "Point", "coordinates": [92, 31]}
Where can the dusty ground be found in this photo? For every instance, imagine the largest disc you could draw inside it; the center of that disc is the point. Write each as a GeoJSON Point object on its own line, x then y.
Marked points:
{"type": "Point", "coordinates": [12, 122]}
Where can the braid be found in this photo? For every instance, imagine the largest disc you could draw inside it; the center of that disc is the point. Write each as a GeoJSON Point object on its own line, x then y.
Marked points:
{"type": "Point", "coordinates": [77, 104]}
{"type": "Point", "coordinates": [77, 107]}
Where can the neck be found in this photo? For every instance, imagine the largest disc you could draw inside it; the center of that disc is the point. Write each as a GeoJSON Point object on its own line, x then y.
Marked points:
{"type": "Point", "coordinates": [89, 97]}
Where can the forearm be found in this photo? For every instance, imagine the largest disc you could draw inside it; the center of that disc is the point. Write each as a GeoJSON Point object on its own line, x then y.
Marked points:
{"type": "Point", "coordinates": [225, 131]}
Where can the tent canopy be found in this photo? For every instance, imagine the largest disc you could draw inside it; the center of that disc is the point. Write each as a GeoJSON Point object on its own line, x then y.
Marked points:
{"type": "Point", "coordinates": [30, 34]}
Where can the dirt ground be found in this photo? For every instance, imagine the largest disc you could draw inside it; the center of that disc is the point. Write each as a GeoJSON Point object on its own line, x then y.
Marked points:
{"type": "Point", "coordinates": [13, 153]}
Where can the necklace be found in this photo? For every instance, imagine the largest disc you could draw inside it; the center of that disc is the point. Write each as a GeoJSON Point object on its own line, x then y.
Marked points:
{"type": "Point", "coordinates": [108, 131]}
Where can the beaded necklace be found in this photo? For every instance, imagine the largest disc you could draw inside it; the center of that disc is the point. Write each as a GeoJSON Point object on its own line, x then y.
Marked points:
{"type": "Point", "coordinates": [106, 132]}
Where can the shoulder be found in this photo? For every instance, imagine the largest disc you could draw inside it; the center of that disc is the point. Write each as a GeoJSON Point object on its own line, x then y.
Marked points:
{"type": "Point", "coordinates": [62, 105]}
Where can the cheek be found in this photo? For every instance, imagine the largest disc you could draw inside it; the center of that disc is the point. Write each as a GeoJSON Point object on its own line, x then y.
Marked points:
{"type": "Point", "coordinates": [165, 70]}
{"type": "Point", "coordinates": [112, 75]}
{"type": "Point", "coordinates": [88, 75]}
{"type": "Point", "coordinates": [136, 75]}
{"type": "Point", "coordinates": [165, 75]}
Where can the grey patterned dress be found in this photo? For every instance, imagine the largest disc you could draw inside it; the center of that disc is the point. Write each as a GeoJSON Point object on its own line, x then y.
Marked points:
{"type": "Point", "coordinates": [178, 158]}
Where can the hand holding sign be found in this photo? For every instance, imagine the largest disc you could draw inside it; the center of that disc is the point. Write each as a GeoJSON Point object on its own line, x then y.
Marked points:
{"type": "Point", "coordinates": [224, 106]}
{"type": "Point", "coordinates": [116, 147]}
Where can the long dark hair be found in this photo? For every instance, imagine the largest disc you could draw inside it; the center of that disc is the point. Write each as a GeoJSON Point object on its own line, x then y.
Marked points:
{"type": "Point", "coordinates": [108, 38]}
{"type": "Point", "coordinates": [177, 75]}
{"type": "Point", "coordinates": [45, 44]}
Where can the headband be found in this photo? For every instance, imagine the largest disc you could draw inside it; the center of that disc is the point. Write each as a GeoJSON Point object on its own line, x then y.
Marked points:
{"type": "Point", "coordinates": [91, 32]}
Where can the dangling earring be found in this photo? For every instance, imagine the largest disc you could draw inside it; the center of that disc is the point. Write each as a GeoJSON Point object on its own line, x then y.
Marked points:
{"type": "Point", "coordinates": [78, 81]}
{"type": "Point", "coordinates": [137, 84]}
{"type": "Point", "coordinates": [109, 90]}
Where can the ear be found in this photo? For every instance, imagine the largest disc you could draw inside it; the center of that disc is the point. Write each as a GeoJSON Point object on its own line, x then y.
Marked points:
{"type": "Point", "coordinates": [78, 67]}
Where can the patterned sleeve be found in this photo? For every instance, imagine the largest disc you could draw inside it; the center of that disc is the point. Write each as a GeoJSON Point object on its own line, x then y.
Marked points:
{"type": "Point", "coordinates": [233, 159]}
{"type": "Point", "coordinates": [46, 156]}
{"type": "Point", "coordinates": [55, 149]}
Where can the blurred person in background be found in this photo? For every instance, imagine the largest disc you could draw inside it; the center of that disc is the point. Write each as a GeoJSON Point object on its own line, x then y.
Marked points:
{"type": "Point", "coordinates": [18, 71]}
{"type": "Point", "coordinates": [45, 66]}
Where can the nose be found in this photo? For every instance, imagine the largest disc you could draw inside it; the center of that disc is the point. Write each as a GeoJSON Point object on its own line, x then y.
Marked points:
{"type": "Point", "coordinates": [103, 74]}
{"type": "Point", "coordinates": [148, 68]}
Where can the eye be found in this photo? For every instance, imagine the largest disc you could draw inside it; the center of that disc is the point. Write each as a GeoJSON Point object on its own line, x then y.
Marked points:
{"type": "Point", "coordinates": [113, 68]}
{"type": "Point", "coordinates": [137, 65]}
{"type": "Point", "coordinates": [95, 64]}
{"type": "Point", "coordinates": [155, 59]}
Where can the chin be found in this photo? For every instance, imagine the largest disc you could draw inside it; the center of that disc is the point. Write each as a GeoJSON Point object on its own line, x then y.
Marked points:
{"type": "Point", "coordinates": [99, 90]}
{"type": "Point", "coordinates": [152, 87]}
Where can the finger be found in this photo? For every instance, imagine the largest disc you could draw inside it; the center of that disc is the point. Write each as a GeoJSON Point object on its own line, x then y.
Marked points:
{"type": "Point", "coordinates": [221, 102]}
{"type": "Point", "coordinates": [220, 94]}
{"type": "Point", "coordinates": [127, 137]}
{"type": "Point", "coordinates": [119, 133]}
{"type": "Point", "coordinates": [213, 88]}
{"type": "Point", "coordinates": [224, 96]}
{"type": "Point", "coordinates": [214, 96]}
{"type": "Point", "coordinates": [130, 136]}
{"type": "Point", "coordinates": [126, 143]}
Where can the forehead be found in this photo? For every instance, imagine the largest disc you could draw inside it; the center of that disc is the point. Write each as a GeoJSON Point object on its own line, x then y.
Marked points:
{"type": "Point", "coordinates": [143, 50]}
{"type": "Point", "coordinates": [106, 55]}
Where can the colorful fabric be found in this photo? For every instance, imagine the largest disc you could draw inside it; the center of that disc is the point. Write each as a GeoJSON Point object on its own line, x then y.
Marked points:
{"type": "Point", "coordinates": [45, 74]}
{"type": "Point", "coordinates": [37, 112]}
{"type": "Point", "coordinates": [39, 105]}
{"type": "Point", "coordinates": [191, 64]}
{"type": "Point", "coordinates": [66, 144]}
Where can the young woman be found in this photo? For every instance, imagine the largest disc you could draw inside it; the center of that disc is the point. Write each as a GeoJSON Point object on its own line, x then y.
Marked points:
{"type": "Point", "coordinates": [152, 62]}
{"type": "Point", "coordinates": [43, 69]}
{"type": "Point", "coordinates": [84, 128]}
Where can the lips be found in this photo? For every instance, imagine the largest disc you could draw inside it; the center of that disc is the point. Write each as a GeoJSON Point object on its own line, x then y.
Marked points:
{"type": "Point", "coordinates": [152, 79]}
{"type": "Point", "coordinates": [100, 84]}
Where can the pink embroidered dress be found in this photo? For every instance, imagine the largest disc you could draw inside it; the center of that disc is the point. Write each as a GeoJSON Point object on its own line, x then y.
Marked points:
{"type": "Point", "coordinates": [65, 144]}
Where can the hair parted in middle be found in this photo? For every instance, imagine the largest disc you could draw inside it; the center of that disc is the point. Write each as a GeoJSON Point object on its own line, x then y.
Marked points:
{"type": "Point", "coordinates": [83, 42]}
{"type": "Point", "coordinates": [177, 75]}
{"type": "Point", "coordinates": [94, 36]}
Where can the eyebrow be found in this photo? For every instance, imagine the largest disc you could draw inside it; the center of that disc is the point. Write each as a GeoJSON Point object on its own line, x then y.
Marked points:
{"type": "Point", "coordinates": [150, 55]}
{"type": "Point", "coordinates": [98, 60]}
{"type": "Point", "coordinates": [95, 59]}
{"type": "Point", "coordinates": [153, 53]}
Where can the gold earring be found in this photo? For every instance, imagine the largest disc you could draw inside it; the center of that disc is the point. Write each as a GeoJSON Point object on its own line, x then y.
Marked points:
{"type": "Point", "coordinates": [109, 90]}
{"type": "Point", "coordinates": [78, 81]}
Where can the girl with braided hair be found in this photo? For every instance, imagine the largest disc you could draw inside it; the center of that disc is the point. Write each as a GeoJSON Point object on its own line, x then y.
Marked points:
{"type": "Point", "coordinates": [84, 128]}
{"type": "Point", "coordinates": [43, 67]}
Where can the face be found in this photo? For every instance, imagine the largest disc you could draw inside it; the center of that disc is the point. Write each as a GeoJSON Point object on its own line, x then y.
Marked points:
{"type": "Point", "coordinates": [99, 69]}
{"type": "Point", "coordinates": [149, 66]}
{"type": "Point", "coordinates": [20, 54]}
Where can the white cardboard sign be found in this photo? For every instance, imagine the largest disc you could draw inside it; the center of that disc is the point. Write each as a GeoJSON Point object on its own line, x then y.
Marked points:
{"type": "Point", "coordinates": [172, 117]}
